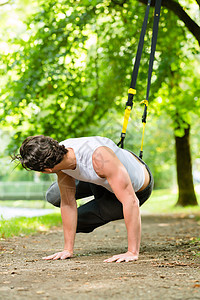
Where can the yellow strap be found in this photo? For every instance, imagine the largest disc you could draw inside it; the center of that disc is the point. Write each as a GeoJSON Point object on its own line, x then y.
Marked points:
{"type": "Point", "coordinates": [132, 91]}
{"type": "Point", "coordinates": [126, 118]}
{"type": "Point", "coordinates": [143, 136]}
{"type": "Point", "coordinates": [146, 102]}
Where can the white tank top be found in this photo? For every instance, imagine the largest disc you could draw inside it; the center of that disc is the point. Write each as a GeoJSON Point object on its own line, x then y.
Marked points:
{"type": "Point", "coordinates": [84, 148]}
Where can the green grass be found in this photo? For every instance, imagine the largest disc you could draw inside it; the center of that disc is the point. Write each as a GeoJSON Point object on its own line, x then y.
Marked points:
{"type": "Point", "coordinates": [25, 226]}
{"type": "Point", "coordinates": [21, 226]}
{"type": "Point", "coordinates": [164, 201]}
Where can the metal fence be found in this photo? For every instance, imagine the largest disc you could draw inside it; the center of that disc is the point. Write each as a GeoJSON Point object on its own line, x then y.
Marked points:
{"type": "Point", "coordinates": [23, 190]}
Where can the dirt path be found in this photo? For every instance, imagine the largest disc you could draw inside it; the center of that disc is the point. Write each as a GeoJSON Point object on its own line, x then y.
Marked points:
{"type": "Point", "coordinates": [168, 267]}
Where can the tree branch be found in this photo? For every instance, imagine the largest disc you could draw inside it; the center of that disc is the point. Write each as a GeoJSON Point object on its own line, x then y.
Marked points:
{"type": "Point", "coordinates": [183, 16]}
{"type": "Point", "coordinates": [8, 2]}
{"type": "Point", "coordinates": [198, 2]}
{"type": "Point", "coordinates": [117, 2]}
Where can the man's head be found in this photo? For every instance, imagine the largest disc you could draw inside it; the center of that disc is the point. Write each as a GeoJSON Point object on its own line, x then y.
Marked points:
{"type": "Point", "coordinates": [40, 152]}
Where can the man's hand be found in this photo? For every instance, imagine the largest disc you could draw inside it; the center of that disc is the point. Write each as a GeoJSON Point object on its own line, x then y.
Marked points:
{"type": "Point", "coordinates": [59, 255]}
{"type": "Point", "coordinates": [126, 257]}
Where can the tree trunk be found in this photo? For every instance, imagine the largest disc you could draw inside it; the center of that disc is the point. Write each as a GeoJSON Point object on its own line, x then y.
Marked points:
{"type": "Point", "coordinates": [184, 171]}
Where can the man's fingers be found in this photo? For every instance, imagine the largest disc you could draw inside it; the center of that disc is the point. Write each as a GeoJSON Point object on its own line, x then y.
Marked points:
{"type": "Point", "coordinates": [65, 256]}
{"type": "Point", "coordinates": [58, 255]}
{"type": "Point", "coordinates": [111, 259]}
{"type": "Point", "coordinates": [49, 257]}
{"type": "Point", "coordinates": [126, 257]}
{"type": "Point", "coordinates": [117, 259]}
{"type": "Point", "coordinates": [108, 260]}
{"type": "Point", "coordinates": [120, 260]}
{"type": "Point", "coordinates": [53, 256]}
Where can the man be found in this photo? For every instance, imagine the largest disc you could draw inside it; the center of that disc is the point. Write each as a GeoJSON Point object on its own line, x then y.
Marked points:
{"type": "Point", "coordinates": [118, 179]}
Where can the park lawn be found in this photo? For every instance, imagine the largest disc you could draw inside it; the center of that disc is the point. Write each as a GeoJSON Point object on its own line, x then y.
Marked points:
{"type": "Point", "coordinates": [22, 226]}
{"type": "Point", "coordinates": [164, 201]}
{"type": "Point", "coordinates": [161, 201]}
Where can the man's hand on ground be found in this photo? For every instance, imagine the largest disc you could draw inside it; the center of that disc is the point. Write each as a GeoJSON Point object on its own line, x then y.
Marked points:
{"type": "Point", "coordinates": [59, 255]}
{"type": "Point", "coordinates": [125, 257]}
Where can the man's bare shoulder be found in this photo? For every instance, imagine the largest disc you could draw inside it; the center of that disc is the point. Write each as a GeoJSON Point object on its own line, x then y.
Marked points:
{"type": "Point", "coordinates": [104, 161]}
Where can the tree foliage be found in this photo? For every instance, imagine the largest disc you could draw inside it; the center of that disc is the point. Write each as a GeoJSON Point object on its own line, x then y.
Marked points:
{"type": "Point", "coordinates": [73, 61]}
{"type": "Point", "coordinates": [68, 68]}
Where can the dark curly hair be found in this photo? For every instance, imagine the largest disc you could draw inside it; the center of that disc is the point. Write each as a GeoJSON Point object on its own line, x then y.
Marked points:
{"type": "Point", "coordinates": [40, 152]}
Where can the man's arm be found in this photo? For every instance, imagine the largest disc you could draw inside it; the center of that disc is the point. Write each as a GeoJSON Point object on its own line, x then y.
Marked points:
{"type": "Point", "coordinates": [69, 215]}
{"type": "Point", "coordinates": [107, 165]}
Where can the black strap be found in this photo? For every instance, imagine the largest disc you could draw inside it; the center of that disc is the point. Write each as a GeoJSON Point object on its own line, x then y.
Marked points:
{"type": "Point", "coordinates": [152, 54]}
{"type": "Point", "coordinates": [136, 66]}
{"type": "Point", "coordinates": [153, 43]}
{"type": "Point", "coordinates": [138, 58]}
{"type": "Point", "coordinates": [138, 55]}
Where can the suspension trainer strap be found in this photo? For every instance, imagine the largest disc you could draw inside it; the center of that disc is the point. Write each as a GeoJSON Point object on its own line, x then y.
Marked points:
{"type": "Point", "coordinates": [153, 49]}
{"type": "Point", "coordinates": [132, 91]}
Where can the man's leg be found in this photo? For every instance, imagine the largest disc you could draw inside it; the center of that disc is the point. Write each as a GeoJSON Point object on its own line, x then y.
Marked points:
{"type": "Point", "coordinates": [104, 208]}
{"type": "Point", "coordinates": [89, 214]}
{"type": "Point", "coordinates": [53, 193]}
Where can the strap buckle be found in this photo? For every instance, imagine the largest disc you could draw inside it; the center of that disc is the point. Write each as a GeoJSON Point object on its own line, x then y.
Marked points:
{"type": "Point", "coordinates": [132, 91]}
{"type": "Point", "coordinates": [145, 102]}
